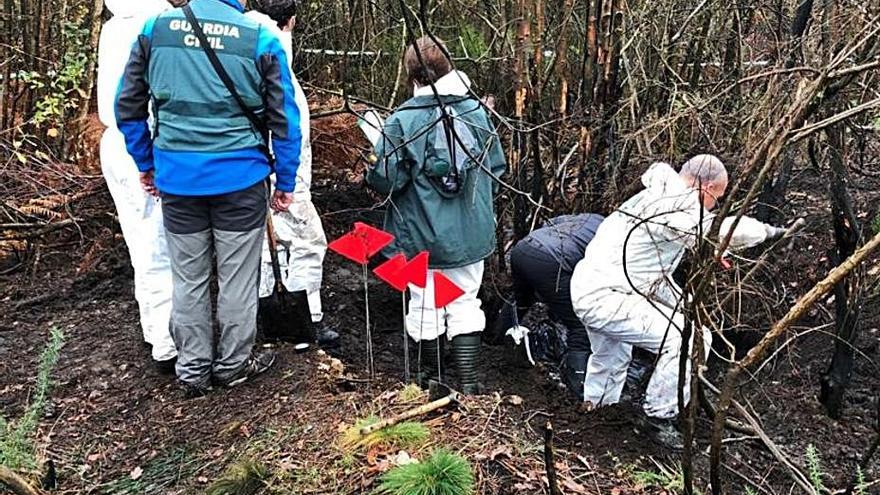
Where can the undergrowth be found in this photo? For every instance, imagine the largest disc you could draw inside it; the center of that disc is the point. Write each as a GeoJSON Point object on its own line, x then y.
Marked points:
{"type": "Point", "coordinates": [401, 436]}
{"type": "Point", "coordinates": [670, 480]}
{"type": "Point", "coordinates": [243, 477]}
{"type": "Point", "coordinates": [861, 487]}
{"type": "Point", "coordinates": [158, 475]}
{"type": "Point", "coordinates": [442, 473]}
{"type": "Point", "coordinates": [18, 450]}
{"type": "Point", "coordinates": [410, 393]}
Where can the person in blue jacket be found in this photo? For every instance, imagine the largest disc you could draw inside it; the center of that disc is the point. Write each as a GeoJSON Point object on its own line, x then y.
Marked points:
{"type": "Point", "coordinates": [208, 163]}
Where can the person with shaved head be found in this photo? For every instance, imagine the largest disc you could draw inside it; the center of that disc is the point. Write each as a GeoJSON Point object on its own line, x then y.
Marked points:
{"type": "Point", "coordinates": [624, 293]}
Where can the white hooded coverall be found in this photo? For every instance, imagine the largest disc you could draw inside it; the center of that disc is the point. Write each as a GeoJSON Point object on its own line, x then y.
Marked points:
{"type": "Point", "coordinates": [140, 215]}
{"type": "Point", "coordinates": [302, 243]}
{"type": "Point", "coordinates": [624, 293]}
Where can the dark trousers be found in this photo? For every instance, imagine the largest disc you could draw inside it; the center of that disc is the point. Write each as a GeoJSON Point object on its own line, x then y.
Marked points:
{"type": "Point", "coordinates": [537, 276]}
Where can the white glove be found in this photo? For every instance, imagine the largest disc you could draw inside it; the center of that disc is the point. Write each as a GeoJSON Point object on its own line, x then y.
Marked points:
{"type": "Point", "coordinates": [775, 233]}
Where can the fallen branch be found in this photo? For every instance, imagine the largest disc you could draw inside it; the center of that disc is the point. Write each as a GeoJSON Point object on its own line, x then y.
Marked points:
{"type": "Point", "coordinates": [42, 231]}
{"type": "Point", "coordinates": [796, 474]}
{"type": "Point", "coordinates": [807, 130]}
{"type": "Point", "coordinates": [760, 351]}
{"type": "Point", "coordinates": [16, 483]}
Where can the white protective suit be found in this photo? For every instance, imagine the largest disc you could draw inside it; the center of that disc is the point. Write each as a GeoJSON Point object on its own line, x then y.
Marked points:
{"type": "Point", "coordinates": [634, 306]}
{"type": "Point", "coordinates": [302, 243]}
{"type": "Point", "coordinates": [140, 215]}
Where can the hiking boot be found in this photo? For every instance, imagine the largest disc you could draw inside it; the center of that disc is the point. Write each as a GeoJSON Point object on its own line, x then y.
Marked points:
{"type": "Point", "coordinates": [428, 368]}
{"type": "Point", "coordinates": [662, 431]}
{"type": "Point", "coordinates": [257, 364]}
{"type": "Point", "coordinates": [166, 366]}
{"type": "Point", "coordinates": [465, 355]}
{"type": "Point", "coordinates": [195, 390]}
{"type": "Point", "coordinates": [573, 372]}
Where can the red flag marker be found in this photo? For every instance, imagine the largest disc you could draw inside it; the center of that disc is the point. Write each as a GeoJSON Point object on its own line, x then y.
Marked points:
{"type": "Point", "coordinates": [416, 271]}
{"type": "Point", "coordinates": [352, 247]}
{"type": "Point", "coordinates": [445, 291]}
{"type": "Point", "coordinates": [374, 239]}
{"type": "Point", "coordinates": [389, 272]}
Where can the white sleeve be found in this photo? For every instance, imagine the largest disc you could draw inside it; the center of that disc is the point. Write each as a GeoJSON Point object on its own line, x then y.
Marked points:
{"type": "Point", "coordinates": [748, 233]}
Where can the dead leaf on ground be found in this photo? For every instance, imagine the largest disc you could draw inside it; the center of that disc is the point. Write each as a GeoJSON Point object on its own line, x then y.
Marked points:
{"type": "Point", "coordinates": [136, 473]}
{"type": "Point", "coordinates": [574, 487]}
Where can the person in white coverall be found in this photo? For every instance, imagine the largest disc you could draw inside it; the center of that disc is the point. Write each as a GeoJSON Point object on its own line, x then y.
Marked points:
{"type": "Point", "coordinates": [140, 215]}
{"type": "Point", "coordinates": [623, 289]}
{"type": "Point", "coordinates": [302, 243]}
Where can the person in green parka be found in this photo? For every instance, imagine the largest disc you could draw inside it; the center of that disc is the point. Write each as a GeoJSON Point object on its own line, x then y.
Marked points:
{"type": "Point", "coordinates": [438, 163]}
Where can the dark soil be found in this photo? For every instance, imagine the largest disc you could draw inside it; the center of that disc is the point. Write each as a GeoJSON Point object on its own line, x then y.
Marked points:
{"type": "Point", "coordinates": [115, 425]}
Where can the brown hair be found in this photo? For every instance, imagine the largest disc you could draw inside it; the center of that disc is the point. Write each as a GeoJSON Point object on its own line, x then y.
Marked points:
{"type": "Point", "coordinates": [436, 63]}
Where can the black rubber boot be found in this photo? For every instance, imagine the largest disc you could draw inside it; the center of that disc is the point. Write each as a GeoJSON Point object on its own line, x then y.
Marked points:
{"type": "Point", "coordinates": [663, 432]}
{"type": "Point", "coordinates": [465, 355]}
{"type": "Point", "coordinates": [428, 370]}
{"type": "Point", "coordinates": [573, 371]}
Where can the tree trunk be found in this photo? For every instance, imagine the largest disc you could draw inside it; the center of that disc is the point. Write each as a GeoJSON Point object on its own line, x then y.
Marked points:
{"type": "Point", "coordinates": [847, 297]}
{"type": "Point", "coordinates": [88, 83]}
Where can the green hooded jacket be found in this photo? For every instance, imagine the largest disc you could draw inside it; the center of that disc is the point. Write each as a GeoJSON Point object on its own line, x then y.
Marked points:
{"type": "Point", "coordinates": [440, 201]}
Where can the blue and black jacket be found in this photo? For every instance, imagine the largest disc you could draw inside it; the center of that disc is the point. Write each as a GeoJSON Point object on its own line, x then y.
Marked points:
{"type": "Point", "coordinates": [202, 143]}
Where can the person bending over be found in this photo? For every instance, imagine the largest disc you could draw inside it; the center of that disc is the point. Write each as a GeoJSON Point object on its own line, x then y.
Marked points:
{"type": "Point", "coordinates": [624, 293]}
{"type": "Point", "coordinates": [541, 265]}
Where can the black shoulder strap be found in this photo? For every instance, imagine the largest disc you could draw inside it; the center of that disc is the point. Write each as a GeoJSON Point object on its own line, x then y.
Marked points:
{"type": "Point", "coordinates": [224, 76]}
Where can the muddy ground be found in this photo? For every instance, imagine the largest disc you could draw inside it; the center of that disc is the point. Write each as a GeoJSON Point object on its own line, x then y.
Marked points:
{"type": "Point", "coordinates": [115, 425]}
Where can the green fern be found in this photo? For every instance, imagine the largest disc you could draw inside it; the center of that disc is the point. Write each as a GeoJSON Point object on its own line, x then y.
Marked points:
{"type": "Point", "coordinates": [814, 465]}
{"type": "Point", "coordinates": [443, 473]}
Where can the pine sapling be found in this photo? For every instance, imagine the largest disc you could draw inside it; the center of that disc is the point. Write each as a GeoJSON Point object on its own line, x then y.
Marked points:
{"type": "Point", "coordinates": [442, 473]}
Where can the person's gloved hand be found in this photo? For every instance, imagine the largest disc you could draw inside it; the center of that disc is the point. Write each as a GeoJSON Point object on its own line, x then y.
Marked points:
{"type": "Point", "coordinates": [775, 233]}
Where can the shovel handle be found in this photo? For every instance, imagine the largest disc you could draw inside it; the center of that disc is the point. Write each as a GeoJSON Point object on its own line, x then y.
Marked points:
{"type": "Point", "coordinates": [412, 413]}
{"type": "Point", "coordinates": [273, 252]}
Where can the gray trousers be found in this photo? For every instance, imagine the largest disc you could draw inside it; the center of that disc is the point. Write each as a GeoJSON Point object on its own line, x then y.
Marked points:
{"type": "Point", "coordinates": [231, 228]}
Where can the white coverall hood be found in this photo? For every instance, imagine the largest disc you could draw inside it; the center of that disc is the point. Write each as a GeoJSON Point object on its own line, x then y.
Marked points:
{"type": "Point", "coordinates": [135, 8]}
{"type": "Point", "coordinates": [456, 83]}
